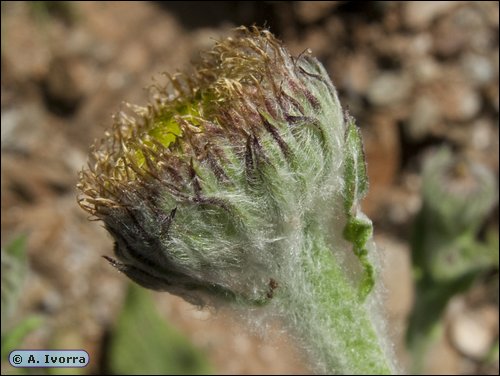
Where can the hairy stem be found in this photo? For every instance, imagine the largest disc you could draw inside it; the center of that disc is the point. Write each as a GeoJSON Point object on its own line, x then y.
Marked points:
{"type": "Point", "coordinates": [334, 325]}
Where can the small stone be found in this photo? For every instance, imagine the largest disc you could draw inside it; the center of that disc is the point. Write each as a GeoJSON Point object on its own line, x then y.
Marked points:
{"type": "Point", "coordinates": [478, 68]}
{"type": "Point", "coordinates": [24, 46]}
{"type": "Point", "coordinates": [420, 14]}
{"type": "Point", "coordinates": [421, 44]}
{"type": "Point", "coordinates": [396, 275]}
{"type": "Point", "coordinates": [116, 80]}
{"type": "Point", "coordinates": [469, 104]}
{"type": "Point", "coordinates": [315, 40]}
{"type": "Point", "coordinates": [357, 72]}
{"type": "Point", "coordinates": [79, 41]}
{"type": "Point", "coordinates": [103, 52]}
{"type": "Point", "coordinates": [389, 89]}
{"type": "Point", "coordinates": [442, 359]}
{"type": "Point", "coordinates": [312, 11]}
{"type": "Point", "coordinates": [457, 99]}
{"type": "Point", "coordinates": [383, 150]}
{"type": "Point", "coordinates": [425, 114]}
{"type": "Point", "coordinates": [426, 70]}
{"type": "Point", "coordinates": [482, 134]}
{"type": "Point", "coordinates": [448, 40]}
{"type": "Point", "coordinates": [463, 30]}
{"type": "Point", "coordinates": [10, 120]}
{"type": "Point", "coordinates": [134, 58]}
{"type": "Point", "coordinates": [473, 332]}
{"type": "Point", "coordinates": [18, 130]}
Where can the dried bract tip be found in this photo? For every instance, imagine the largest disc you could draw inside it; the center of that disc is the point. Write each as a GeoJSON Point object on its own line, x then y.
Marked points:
{"type": "Point", "coordinates": [203, 188]}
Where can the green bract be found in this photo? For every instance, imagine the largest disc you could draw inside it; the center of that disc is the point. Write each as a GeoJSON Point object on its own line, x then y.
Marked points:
{"type": "Point", "coordinates": [240, 183]}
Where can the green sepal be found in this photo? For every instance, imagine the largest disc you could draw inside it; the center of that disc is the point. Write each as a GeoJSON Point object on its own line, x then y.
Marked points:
{"type": "Point", "coordinates": [358, 229]}
{"type": "Point", "coordinates": [355, 177]}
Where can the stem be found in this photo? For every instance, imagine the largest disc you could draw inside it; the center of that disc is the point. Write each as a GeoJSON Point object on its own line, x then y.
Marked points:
{"type": "Point", "coordinates": [326, 313]}
{"type": "Point", "coordinates": [425, 325]}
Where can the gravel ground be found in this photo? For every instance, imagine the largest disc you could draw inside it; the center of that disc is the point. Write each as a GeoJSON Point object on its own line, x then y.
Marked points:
{"type": "Point", "coordinates": [415, 75]}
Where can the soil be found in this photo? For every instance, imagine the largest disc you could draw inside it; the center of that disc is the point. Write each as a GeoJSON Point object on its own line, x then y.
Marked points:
{"type": "Point", "coordinates": [415, 75]}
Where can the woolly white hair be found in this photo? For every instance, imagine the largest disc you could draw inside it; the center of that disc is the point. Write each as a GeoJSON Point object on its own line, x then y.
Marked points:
{"type": "Point", "coordinates": [240, 183]}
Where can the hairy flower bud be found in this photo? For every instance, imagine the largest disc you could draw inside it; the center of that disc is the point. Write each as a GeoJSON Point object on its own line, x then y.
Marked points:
{"type": "Point", "coordinates": [229, 183]}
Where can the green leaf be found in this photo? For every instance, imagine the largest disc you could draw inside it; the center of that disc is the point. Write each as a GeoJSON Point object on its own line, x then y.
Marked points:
{"type": "Point", "coordinates": [14, 267]}
{"type": "Point", "coordinates": [17, 248]}
{"type": "Point", "coordinates": [13, 338]}
{"type": "Point", "coordinates": [447, 257]}
{"type": "Point", "coordinates": [144, 343]}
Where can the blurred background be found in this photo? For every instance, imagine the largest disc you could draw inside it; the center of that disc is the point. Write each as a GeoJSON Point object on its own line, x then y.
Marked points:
{"type": "Point", "coordinates": [417, 76]}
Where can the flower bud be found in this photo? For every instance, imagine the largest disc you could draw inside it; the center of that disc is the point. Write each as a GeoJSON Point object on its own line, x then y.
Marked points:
{"type": "Point", "coordinates": [240, 182]}
{"type": "Point", "coordinates": [209, 190]}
